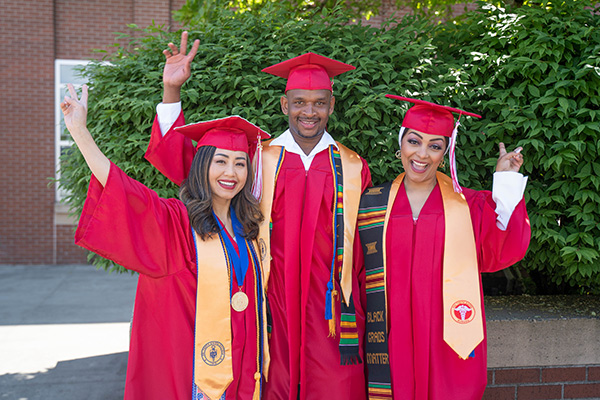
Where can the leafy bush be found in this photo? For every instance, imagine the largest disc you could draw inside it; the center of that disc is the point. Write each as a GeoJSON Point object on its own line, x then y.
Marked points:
{"type": "Point", "coordinates": [227, 79]}
{"type": "Point", "coordinates": [534, 73]}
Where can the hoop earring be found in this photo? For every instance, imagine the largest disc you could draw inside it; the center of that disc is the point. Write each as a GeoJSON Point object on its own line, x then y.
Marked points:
{"type": "Point", "coordinates": [399, 155]}
{"type": "Point", "coordinates": [443, 163]}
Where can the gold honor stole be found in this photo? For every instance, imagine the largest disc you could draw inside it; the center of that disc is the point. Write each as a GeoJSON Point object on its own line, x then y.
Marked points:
{"type": "Point", "coordinates": [463, 316]}
{"type": "Point", "coordinates": [212, 340]}
{"type": "Point", "coordinates": [352, 185]}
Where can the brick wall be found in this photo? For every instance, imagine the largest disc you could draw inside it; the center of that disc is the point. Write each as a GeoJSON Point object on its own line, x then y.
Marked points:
{"type": "Point", "coordinates": [66, 251]}
{"type": "Point", "coordinates": [573, 382]}
{"type": "Point", "coordinates": [388, 9]}
{"type": "Point", "coordinates": [35, 33]}
{"type": "Point", "coordinates": [27, 115]}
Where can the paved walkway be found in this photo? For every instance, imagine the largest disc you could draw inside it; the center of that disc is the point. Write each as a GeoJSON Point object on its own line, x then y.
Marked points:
{"type": "Point", "coordinates": [64, 332]}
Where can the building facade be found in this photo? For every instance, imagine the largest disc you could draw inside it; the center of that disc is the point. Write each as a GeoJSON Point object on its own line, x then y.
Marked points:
{"type": "Point", "coordinates": [44, 40]}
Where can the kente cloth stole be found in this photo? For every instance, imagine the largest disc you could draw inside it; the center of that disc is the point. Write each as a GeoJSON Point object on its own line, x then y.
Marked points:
{"type": "Point", "coordinates": [372, 217]}
{"type": "Point", "coordinates": [213, 371]}
{"type": "Point", "coordinates": [347, 189]}
{"type": "Point", "coordinates": [461, 288]}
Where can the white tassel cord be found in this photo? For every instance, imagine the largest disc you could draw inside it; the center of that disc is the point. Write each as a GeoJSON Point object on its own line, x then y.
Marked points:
{"type": "Point", "coordinates": [452, 156]}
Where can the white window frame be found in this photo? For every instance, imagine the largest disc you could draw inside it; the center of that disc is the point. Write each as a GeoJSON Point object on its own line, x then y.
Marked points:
{"type": "Point", "coordinates": [58, 98]}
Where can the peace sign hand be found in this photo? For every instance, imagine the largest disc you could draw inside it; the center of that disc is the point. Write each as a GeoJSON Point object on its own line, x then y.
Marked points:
{"type": "Point", "coordinates": [509, 161]}
{"type": "Point", "coordinates": [177, 67]}
{"type": "Point", "coordinates": [75, 110]}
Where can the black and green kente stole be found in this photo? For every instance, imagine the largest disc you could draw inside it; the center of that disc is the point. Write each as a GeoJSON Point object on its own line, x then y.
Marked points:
{"type": "Point", "coordinates": [371, 218]}
{"type": "Point", "coordinates": [348, 330]}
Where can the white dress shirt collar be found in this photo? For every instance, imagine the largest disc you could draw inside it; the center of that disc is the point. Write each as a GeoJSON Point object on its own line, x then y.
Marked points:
{"type": "Point", "coordinates": [286, 140]}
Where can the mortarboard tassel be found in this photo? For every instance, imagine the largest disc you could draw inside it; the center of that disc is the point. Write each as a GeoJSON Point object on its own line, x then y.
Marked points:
{"type": "Point", "coordinates": [452, 156]}
{"type": "Point", "coordinates": [330, 296]}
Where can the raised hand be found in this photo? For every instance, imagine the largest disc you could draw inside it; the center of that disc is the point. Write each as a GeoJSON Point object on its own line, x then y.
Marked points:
{"type": "Point", "coordinates": [509, 161]}
{"type": "Point", "coordinates": [177, 68]}
{"type": "Point", "coordinates": [75, 110]}
{"type": "Point", "coordinates": [75, 113]}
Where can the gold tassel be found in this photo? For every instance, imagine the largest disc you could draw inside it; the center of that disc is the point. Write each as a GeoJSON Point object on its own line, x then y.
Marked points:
{"type": "Point", "coordinates": [256, 395]}
{"type": "Point", "coordinates": [332, 324]}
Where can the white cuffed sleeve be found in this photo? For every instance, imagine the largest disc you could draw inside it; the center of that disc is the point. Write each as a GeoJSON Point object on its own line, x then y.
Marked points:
{"type": "Point", "coordinates": [167, 115]}
{"type": "Point", "coordinates": [507, 191]}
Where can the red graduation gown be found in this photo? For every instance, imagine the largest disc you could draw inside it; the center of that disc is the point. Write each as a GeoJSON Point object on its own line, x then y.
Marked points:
{"type": "Point", "coordinates": [129, 224]}
{"type": "Point", "coordinates": [422, 365]}
{"type": "Point", "coordinates": [301, 250]}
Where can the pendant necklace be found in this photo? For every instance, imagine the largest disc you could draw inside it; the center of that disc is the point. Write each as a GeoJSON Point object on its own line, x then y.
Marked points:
{"type": "Point", "coordinates": [240, 263]}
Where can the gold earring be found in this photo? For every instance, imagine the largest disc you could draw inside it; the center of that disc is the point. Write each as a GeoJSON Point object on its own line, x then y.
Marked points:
{"type": "Point", "coordinates": [443, 164]}
{"type": "Point", "coordinates": [399, 155]}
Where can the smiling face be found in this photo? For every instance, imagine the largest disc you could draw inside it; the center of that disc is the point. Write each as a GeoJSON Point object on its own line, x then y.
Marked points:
{"type": "Point", "coordinates": [227, 174]}
{"type": "Point", "coordinates": [422, 153]}
{"type": "Point", "coordinates": [308, 112]}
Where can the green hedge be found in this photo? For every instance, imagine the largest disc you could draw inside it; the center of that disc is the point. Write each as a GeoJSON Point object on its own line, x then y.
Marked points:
{"type": "Point", "coordinates": [475, 63]}
{"type": "Point", "coordinates": [534, 73]}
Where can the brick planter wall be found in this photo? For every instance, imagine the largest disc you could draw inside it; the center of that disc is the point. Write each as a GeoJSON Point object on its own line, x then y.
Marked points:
{"type": "Point", "coordinates": [573, 382]}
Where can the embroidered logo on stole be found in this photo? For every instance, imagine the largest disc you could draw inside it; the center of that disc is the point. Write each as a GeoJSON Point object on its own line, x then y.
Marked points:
{"type": "Point", "coordinates": [213, 353]}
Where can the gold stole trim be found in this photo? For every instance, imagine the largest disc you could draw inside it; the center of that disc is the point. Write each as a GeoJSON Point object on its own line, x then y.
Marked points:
{"type": "Point", "coordinates": [352, 176]}
{"type": "Point", "coordinates": [213, 359]}
{"type": "Point", "coordinates": [270, 156]}
{"type": "Point", "coordinates": [213, 321]}
{"type": "Point", "coordinates": [463, 322]}
{"type": "Point", "coordinates": [351, 169]}
{"type": "Point", "coordinates": [460, 279]}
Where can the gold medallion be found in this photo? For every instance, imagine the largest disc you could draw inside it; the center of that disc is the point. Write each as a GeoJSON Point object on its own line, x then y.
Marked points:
{"type": "Point", "coordinates": [239, 301]}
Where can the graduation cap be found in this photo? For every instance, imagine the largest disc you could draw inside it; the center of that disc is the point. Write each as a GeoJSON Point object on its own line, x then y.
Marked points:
{"type": "Point", "coordinates": [231, 133]}
{"type": "Point", "coordinates": [309, 71]}
{"type": "Point", "coordinates": [434, 119]}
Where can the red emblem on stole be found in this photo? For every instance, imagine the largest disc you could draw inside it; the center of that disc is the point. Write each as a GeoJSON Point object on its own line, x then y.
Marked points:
{"type": "Point", "coordinates": [462, 312]}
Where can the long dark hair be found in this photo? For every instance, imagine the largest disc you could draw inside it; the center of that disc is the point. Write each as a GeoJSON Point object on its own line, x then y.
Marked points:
{"type": "Point", "coordinates": [196, 194]}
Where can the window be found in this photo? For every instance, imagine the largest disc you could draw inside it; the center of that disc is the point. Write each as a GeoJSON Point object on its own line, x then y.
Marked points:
{"type": "Point", "coordinates": [65, 71]}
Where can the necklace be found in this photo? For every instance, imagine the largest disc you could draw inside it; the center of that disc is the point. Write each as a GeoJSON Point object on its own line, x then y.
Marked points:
{"type": "Point", "coordinates": [240, 262]}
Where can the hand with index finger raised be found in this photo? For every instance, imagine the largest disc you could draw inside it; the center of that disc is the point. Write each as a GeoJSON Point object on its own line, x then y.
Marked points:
{"type": "Point", "coordinates": [509, 161]}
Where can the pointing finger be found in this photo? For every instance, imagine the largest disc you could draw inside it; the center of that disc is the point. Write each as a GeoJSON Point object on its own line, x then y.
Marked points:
{"type": "Point", "coordinates": [84, 95]}
{"type": "Point", "coordinates": [72, 91]}
{"type": "Point", "coordinates": [184, 39]}
{"type": "Point", "coordinates": [502, 149]}
{"type": "Point", "coordinates": [194, 49]}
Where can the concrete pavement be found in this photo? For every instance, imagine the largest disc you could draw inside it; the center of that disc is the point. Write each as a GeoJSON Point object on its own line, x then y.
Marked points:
{"type": "Point", "coordinates": [64, 332]}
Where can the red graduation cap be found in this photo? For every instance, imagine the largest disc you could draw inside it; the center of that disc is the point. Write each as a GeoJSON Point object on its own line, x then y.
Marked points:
{"type": "Point", "coordinates": [309, 71]}
{"type": "Point", "coordinates": [430, 118]}
{"type": "Point", "coordinates": [434, 119]}
{"type": "Point", "coordinates": [231, 133]}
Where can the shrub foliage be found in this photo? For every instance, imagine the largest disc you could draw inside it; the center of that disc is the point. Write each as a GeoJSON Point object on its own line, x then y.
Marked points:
{"type": "Point", "coordinates": [533, 72]}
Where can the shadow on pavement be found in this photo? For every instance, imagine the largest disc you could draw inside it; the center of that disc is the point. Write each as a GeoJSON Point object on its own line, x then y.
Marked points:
{"type": "Point", "coordinates": [96, 378]}
{"type": "Point", "coordinates": [70, 294]}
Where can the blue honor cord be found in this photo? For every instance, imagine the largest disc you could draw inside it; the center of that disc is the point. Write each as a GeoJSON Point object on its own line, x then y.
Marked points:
{"type": "Point", "coordinates": [239, 261]}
